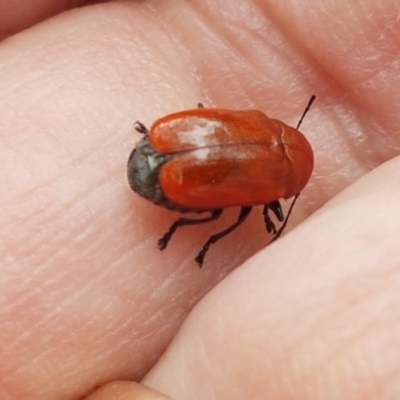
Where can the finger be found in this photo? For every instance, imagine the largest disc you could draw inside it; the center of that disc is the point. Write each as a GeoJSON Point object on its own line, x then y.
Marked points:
{"type": "Point", "coordinates": [365, 65]}
{"type": "Point", "coordinates": [124, 390]}
{"type": "Point", "coordinates": [90, 297]}
{"type": "Point", "coordinates": [356, 45]}
{"type": "Point", "coordinates": [316, 315]}
{"type": "Point", "coordinates": [82, 270]}
{"type": "Point", "coordinates": [18, 15]}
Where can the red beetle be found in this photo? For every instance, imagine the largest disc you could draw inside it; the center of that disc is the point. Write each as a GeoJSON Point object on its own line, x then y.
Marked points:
{"type": "Point", "coordinates": [206, 159]}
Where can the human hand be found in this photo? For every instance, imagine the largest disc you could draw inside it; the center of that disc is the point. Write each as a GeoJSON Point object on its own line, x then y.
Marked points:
{"type": "Point", "coordinates": [86, 296]}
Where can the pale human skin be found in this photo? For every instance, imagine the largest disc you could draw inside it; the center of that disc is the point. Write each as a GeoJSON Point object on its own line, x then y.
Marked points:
{"type": "Point", "coordinates": [86, 297]}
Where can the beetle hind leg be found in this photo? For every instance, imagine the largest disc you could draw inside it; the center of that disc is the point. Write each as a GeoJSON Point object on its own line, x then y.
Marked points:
{"type": "Point", "coordinates": [163, 242]}
{"type": "Point", "coordinates": [275, 207]}
{"type": "Point", "coordinates": [244, 213]}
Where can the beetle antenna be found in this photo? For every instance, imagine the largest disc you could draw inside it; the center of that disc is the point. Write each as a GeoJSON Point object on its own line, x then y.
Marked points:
{"type": "Point", "coordinates": [306, 110]}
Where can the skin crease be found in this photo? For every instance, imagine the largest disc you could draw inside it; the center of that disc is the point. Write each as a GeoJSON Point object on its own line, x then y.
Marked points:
{"type": "Point", "coordinates": [124, 390]}
{"type": "Point", "coordinates": [17, 15]}
{"type": "Point", "coordinates": [86, 298]}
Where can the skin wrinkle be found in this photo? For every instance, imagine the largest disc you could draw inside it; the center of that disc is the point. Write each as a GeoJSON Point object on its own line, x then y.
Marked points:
{"type": "Point", "coordinates": [46, 219]}
{"type": "Point", "coordinates": [22, 14]}
{"type": "Point", "coordinates": [320, 329]}
{"type": "Point", "coordinates": [351, 145]}
{"type": "Point", "coordinates": [354, 86]}
{"type": "Point", "coordinates": [221, 40]}
{"type": "Point", "coordinates": [389, 123]}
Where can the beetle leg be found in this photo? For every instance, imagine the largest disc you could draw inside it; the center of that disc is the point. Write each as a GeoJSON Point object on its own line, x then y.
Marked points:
{"type": "Point", "coordinates": [269, 224]}
{"type": "Point", "coordinates": [276, 208]}
{"type": "Point", "coordinates": [163, 242]}
{"type": "Point", "coordinates": [244, 213]}
{"type": "Point", "coordinates": [283, 226]}
{"type": "Point", "coordinates": [141, 127]}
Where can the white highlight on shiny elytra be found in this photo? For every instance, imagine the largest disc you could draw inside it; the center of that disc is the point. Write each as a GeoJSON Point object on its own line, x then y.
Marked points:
{"type": "Point", "coordinates": [200, 131]}
{"type": "Point", "coordinates": [202, 154]}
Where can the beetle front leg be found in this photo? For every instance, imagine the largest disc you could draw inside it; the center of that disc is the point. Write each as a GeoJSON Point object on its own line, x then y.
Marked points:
{"type": "Point", "coordinates": [141, 127]}
{"type": "Point", "coordinates": [163, 242]}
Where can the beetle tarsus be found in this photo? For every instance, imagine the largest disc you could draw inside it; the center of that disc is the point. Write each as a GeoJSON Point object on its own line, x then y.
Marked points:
{"type": "Point", "coordinates": [269, 224]}
{"type": "Point", "coordinates": [163, 242]}
{"type": "Point", "coordinates": [200, 257]}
